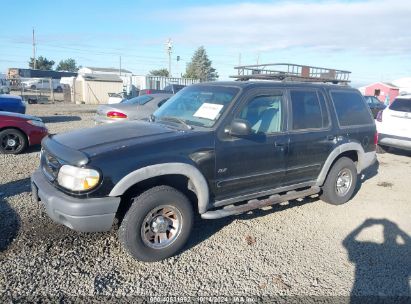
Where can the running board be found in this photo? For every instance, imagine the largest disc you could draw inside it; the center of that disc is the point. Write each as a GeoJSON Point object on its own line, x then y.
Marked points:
{"type": "Point", "coordinates": [256, 204]}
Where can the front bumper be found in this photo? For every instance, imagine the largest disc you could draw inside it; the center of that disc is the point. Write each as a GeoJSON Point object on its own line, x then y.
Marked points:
{"type": "Point", "coordinates": [394, 141]}
{"type": "Point", "coordinates": [85, 215]}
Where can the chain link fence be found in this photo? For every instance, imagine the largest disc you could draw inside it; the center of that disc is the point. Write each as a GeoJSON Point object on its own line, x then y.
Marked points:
{"type": "Point", "coordinates": [40, 90]}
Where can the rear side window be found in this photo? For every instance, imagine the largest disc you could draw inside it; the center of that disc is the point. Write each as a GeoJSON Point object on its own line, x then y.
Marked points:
{"type": "Point", "coordinates": [351, 109]}
{"type": "Point", "coordinates": [401, 104]}
{"type": "Point", "coordinates": [307, 111]}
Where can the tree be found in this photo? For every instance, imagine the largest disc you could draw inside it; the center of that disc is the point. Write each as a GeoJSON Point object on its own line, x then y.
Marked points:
{"type": "Point", "coordinates": [159, 72]}
{"type": "Point", "coordinates": [42, 63]}
{"type": "Point", "coordinates": [200, 67]}
{"type": "Point", "coordinates": [67, 65]}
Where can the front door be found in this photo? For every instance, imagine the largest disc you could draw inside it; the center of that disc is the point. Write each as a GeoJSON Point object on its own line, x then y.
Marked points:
{"type": "Point", "coordinates": [255, 162]}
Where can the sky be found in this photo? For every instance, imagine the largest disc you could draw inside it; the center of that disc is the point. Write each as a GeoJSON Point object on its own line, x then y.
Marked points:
{"type": "Point", "coordinates": [372, 39]}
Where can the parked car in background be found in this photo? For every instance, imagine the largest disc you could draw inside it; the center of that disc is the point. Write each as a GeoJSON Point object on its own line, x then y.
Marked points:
{"type": "Point", "coordinates": [12, 103]}
{"type": "Point", "coordinates": [394, 125]}
{"type": "Point", "coordinates": [130, 109]}
{"type": "Point", "coordinates": [374, 104]}
{"type": "Point", "coordinates": [42, 84]}
{"type": "Point", "coordinates": [171, 89]}
{"type": "Point", "coordinates": [18, 131]}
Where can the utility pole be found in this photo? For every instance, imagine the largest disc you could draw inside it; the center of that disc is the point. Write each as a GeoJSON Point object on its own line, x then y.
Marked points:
{"type": "Point", "coordinates": [239, 59]}
{"type": "Point", "coordinates": [169, 50]}
{"type": "Point", "coordinates": [120, 67]}
{"type": "Point", "coordinates": [34, 51]}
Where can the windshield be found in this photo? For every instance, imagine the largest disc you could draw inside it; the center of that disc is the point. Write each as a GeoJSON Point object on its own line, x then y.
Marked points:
{"type": "Point", "coordinates": [198, 105]}
{"type": "Point", "coordinates": [401, 104]}
{"type": "Point", "coordinates": [140, 100]}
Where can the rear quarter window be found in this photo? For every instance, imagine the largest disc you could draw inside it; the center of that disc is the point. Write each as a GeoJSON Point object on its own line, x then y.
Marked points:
{"type": "Point", "coordinates": [140, 100]}
{"type": "Point", "coordinates": [401, 104]}
{"type": "Point", "coordinates": [351, 109]}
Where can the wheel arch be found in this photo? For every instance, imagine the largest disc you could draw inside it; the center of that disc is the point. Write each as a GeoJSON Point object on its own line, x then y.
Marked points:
{"type": "Point", "coordinates": [195, 180]}
{"type": "Point", "coordinates": [354, 151]}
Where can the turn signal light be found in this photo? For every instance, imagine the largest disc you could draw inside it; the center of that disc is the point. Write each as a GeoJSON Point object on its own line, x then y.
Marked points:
{"type": "Point", "coordinates": [115, 114]}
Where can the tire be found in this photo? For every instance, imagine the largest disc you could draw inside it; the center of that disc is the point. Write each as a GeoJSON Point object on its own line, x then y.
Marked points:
{"type": "Point", "coordinates": [138, 232]}
{"type": "Point", "coordinates": [12, 141]}
{"type": "Point", "coordinates": [381, 149]}
{"type": "Point", "coordinates": [33, 87]}
{"type": "Point", "coordinates": [343, 171]}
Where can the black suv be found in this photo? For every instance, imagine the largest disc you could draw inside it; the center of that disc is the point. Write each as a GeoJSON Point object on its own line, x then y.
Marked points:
{"type": "Point", "coordinates": [218, 149]}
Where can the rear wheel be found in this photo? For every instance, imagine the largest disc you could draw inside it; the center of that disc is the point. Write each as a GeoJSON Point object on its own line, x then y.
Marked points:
{"type": "Point", "coordinates": [157, 225]}
{"type": "Point", "coordinates": [12, 141]}
{"type": "Point", "coordinates": [340, 183]}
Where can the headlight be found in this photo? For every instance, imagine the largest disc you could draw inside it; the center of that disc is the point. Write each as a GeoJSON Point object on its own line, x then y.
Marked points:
{"type": "Point", "coordinates": [37, 123]}
{"type": "Point", "coordinates": [77, 179]}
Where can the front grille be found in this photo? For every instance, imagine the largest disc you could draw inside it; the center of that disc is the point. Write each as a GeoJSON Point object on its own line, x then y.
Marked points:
{"type": "Point", "coordinates": [50, 165]}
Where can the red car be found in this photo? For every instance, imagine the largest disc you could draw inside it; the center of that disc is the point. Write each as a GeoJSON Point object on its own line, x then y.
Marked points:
{"type": "Point", "coordinates": [18, 131]}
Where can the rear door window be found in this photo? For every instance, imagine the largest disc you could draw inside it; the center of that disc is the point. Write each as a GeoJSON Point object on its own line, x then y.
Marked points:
{"type": "Point", "coordinates": [350, 108]}
{"type": "Point", "coordinates": [401, 104]}
{"type": "Point", "coordinates": [307, 111]}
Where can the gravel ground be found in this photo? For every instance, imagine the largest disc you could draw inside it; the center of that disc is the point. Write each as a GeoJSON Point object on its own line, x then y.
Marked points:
{"type": "Point", "coordinates": [302, 248]}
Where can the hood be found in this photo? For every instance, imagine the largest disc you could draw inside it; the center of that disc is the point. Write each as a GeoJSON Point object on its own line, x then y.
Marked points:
{"type": "Point", "coordinates": [109, 137]}
{"type": "Point", "coordinates": [18, 115]}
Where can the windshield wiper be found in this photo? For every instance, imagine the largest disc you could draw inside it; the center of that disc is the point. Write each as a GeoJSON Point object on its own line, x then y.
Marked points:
{"type": "Point", "coordinates": [176, 119]}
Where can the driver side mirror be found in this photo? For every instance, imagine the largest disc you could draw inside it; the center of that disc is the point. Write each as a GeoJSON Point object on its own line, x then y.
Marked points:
{"type": "Point", "coordinates": [240, 127]}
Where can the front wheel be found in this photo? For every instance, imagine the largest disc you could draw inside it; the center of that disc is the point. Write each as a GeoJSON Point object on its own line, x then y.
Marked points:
{"type": "Point", "coordinates": [340, 183]}
{"type": "Point", "coordinates": [157, 225]}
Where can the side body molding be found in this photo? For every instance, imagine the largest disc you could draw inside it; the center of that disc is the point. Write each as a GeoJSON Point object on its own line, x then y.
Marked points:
{"type": "Point", "coordinates": [352, 146]}
{"type": "Point", "coordinates": [197, 182]}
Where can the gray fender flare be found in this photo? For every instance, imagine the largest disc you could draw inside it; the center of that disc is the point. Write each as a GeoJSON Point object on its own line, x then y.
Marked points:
{"type": "Point", "coordinates": [197, 182]}
{"type": "Point", "coordinates": [335, 153]}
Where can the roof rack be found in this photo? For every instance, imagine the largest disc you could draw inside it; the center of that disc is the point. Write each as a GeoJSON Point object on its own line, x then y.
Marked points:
{"type": "Point", "coordinates": [291, 72]}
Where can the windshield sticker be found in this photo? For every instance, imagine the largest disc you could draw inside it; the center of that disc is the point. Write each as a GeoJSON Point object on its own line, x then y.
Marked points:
{"type": "Point", "coordinates": [208, 111]}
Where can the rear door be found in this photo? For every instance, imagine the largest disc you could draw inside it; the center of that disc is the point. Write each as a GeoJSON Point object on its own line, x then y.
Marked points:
{"type": "Point", "coordinates": [311, 137]}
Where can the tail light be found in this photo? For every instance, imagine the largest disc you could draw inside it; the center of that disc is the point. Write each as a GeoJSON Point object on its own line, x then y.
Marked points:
{"type": "Point", "coordinates": [376, 138]}
{"type": "Point", "coordinates": [379, 116]}
{"type": "Point", "coordinates": [115, 114]}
